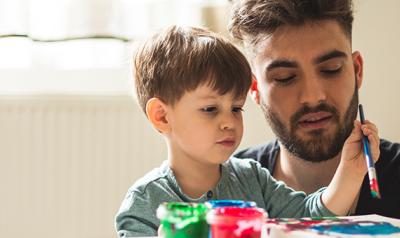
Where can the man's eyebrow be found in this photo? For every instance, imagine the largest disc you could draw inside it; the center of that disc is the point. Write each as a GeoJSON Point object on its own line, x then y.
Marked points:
{"type": "Point", "coordinates": [280, 64]}
{"type": "Point", "coordinates": [330, 55]}
{"type": "Point", "coordinates": [293, 64]}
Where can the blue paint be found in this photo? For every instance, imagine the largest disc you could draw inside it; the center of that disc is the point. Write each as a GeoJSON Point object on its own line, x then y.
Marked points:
{"type": "Point", "coordinates": [358, 228]}
{"type": "Point", "coordinates": [230, 203]}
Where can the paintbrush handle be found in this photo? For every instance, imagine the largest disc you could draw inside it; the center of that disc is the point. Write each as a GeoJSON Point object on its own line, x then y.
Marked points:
{"type": "Point", "coordinates": [373, 180]}
{"type": "Point", "coordinates": [367, 152]}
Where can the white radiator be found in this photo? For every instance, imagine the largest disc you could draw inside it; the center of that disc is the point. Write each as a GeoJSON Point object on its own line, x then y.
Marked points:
{"type": "Point", "coordinates": [67, 161]}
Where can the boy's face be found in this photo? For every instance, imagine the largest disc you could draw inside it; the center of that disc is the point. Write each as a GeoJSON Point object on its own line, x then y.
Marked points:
{"type": "Point", "coordinates": [306, 79]}
{"type": "Point", "coordinates": [205, 126]}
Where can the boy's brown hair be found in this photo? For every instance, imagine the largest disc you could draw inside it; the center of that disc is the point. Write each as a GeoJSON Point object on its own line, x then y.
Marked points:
{"type": "Point", "coordinates": [180, 59]}
{"type": "Point", "coordinates": [253, 19]}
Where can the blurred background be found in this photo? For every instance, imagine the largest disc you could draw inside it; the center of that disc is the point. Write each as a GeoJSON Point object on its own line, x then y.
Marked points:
{"type": "Point", "coordinates": [72, 139]}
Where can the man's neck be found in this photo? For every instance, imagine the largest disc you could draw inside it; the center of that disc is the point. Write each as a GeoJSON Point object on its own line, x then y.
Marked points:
{"type": "Point", "coordinates": [303, 175]}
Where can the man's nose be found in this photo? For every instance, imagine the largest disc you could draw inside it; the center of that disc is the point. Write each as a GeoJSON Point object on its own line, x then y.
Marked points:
{"type": "Point", "coordinates": [313, 91]}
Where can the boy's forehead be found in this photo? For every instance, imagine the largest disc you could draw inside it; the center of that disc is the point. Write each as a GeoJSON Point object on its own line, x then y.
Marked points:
{"type": "Point", "coordinates": [206, 91]}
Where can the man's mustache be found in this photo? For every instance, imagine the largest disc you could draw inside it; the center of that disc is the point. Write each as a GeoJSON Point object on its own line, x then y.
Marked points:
{"type": "Point", "coordinates": [322, 107]}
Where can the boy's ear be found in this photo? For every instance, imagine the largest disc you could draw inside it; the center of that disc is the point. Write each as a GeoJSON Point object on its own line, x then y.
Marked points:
{"type": "Point", "coordinates": [358, 68]}
{"type": "Point", "coordinates": [254, 93]}
{"type": "Point", "coordinates": [156, 112]}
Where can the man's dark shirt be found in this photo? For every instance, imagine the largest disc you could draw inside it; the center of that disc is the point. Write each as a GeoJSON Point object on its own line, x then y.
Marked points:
{"type": "Point", "coordinates": [387, 168]}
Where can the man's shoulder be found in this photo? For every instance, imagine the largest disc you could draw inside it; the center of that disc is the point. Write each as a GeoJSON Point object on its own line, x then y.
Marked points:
{"type": "Point", "coordinates": [388, 172]}
{"type": "Point", "coordinates": [389, 150]}
{"type": "Point", "coordinates": [265, 154]}
{"type": "Point", "coordinates": [255, 152]}
{"type": "Point", "coordinates": [388, 165]}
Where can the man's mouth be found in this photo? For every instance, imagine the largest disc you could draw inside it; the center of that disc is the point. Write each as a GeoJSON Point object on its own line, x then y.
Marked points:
{"type": "Point", "coordinates": [316, 120]}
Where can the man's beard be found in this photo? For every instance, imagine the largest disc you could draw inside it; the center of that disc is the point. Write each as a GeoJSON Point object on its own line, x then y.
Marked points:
{"type": "Point", "coordinates": [319, 147]}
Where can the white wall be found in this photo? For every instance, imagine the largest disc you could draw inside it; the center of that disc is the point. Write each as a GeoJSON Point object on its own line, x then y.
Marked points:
{"type": "Point", "coordinates": [377, 37]}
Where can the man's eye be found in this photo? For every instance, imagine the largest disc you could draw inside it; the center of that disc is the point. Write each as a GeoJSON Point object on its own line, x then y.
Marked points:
{"type": "Point", "coordinates": [332, 71]}
{"type": "Point", "coordinates": [209, 109]}
{"type": "Point", "coordinates": [237, 109]}
{"type": "Point", "coordinates": [285, 80]}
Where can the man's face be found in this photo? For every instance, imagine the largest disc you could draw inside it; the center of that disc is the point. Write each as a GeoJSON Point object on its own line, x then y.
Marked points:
{"type": "Point", "coordinates": [307, 87]}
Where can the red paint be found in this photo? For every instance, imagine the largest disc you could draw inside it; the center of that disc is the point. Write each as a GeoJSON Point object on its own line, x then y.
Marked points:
{"type": "Point", "coordinates": [236, 222]}
{"type": "Point", "coordinates": [374, 185]}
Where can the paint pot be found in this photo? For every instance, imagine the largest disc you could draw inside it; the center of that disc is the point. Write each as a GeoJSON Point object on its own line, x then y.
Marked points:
{"type": "Point", "coordinates": [236, 222]}
{"type": "Point", "coordinates": [212, 204]}
{"type": "Point", "coordinates": [230, 203]}
{"type": "Point", "coordinates": [181, 220]}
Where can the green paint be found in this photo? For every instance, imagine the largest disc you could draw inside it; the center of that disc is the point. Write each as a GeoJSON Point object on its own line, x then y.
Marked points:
{"type": "Point", "coordinates": [181, 220]}
{"type": "Point", "coordinates": [374, 194]}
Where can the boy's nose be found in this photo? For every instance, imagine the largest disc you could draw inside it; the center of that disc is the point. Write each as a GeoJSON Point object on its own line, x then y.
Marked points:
{"type": "Point", "coordinates": [227, 122]}
{"type": "Point", "coordinates": [312, 91]}
{"type": "Point", "coordinates": [226, 126]}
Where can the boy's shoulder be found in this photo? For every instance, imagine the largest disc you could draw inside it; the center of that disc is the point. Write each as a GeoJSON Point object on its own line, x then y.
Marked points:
{"type": "Point", "coordinates": [136, 215]}
{"type": "Point", "coordinates": [244, 167]}
{"type": "Point", "coordinates": [247, 172]}
{"type": "Point", "coordinates": [155, 178]}
{"type": "Point", "coordinates": [242, 162]}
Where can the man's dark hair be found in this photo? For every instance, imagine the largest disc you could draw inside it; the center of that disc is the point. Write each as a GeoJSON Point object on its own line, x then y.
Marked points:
{"type": "Point", "coordinates": [252, 20]}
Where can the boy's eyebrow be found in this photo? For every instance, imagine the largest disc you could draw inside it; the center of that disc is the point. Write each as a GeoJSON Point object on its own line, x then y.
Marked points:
{"type": "Point", "coordinates": [330, 55]}
{"type": "Point", "coordinates": [207, 97]}
{"type": "Point", "coordinates": [237, 99]}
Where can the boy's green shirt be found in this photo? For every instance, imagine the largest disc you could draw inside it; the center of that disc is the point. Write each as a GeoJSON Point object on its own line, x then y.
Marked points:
{"type": "Point", "coordinates": [242, 179]}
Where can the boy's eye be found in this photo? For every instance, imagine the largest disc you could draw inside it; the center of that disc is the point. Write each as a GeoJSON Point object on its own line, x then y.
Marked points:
{"type": "Point", "coordinates": [237, 109]}
{"type": "Point", "coordinates": [209, 109]}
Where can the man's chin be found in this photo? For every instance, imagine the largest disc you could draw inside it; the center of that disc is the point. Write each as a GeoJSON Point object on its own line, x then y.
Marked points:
{"type": "Point", "coordinates": [319, 137]}
{"type": "Point", "coordinates": [314, 149]}
{"type": "Point", "coordinates": [307, 134]}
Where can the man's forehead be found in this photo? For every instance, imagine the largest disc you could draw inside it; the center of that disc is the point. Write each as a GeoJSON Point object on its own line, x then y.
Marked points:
{"type": "Point", "coordinates": [307, 40]}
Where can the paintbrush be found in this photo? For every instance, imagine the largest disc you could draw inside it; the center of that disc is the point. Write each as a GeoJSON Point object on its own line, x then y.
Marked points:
{"type": "Point", "coordinates": [373, 180]}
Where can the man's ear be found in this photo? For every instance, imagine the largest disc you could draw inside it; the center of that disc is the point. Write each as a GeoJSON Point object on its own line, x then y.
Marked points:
{"type": "Point", "coordinates": [254, 93]}
{"type": "Point", "coordinates": [156, 111]}
{"type": "Point", "coordinates": [358, 68]}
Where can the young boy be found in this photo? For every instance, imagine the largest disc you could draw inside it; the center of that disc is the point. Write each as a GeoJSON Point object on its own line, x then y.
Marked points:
{"type": "Point", "coordinates": [192, 86]}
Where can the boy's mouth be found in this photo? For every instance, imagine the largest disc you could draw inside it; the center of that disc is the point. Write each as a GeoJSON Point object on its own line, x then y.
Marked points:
{"type": "Point", "coordinates": [228, 142]}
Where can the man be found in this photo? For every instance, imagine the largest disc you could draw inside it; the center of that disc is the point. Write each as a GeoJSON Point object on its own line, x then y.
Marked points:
{"type": "Point", "coordinates": [306, 81]}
